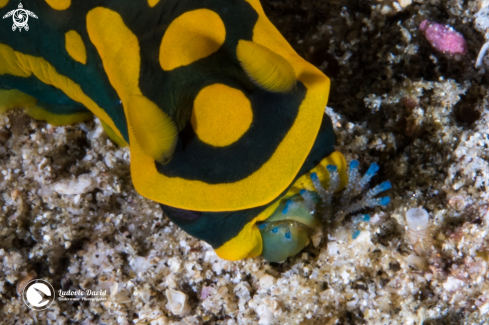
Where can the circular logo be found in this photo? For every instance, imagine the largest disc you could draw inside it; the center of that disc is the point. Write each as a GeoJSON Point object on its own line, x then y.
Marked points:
{"type": "Point", "coordinates": [38, 294]}
{"type": "Point", "coordinates": [20, 18]}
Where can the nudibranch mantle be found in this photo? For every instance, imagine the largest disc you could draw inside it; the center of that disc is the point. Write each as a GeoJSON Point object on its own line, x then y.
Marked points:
{"type": "Point", "coordinates": [154, 73]}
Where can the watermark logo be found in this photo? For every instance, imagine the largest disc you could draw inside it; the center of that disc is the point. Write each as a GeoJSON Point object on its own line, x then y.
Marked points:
{"type": "Point", "coordinates": [20, 17]}
{"type": "Point", "coordinates": [38, 294]}
{"type": "Point", "coordinates": [82, 295]}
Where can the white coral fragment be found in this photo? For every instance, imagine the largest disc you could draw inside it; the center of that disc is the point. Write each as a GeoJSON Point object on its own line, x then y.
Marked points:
{"type": "Point", "coordinates": [417, 262]}
{"type": "Point", "coordinates": [484, 309]}
{"type": "Point", "coordinates": [266, 316]}
{"type": "Point", "coordinates": [80, 185]}
{"type": "Point", "coordinates": [177, 302]}
{"type": "Point", "coordinates": [453, 284]}
{"type": "Point", "coordinates": [118, 295]}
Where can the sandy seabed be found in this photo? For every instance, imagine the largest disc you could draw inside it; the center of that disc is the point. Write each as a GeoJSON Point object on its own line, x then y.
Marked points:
{"type": "Point", "coordinates": [70, 215]}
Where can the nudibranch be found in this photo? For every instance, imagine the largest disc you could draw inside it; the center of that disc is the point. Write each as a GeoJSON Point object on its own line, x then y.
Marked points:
{"type": "Point", "coordinates": [224, 120]}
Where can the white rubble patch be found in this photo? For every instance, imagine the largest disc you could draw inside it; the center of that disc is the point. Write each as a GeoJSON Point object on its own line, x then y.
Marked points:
{"type": "Point", "coordinates": [483, 309]}
{"type": "Point", "coordinates": [266, 316]}
{"type": "Point", "coordinates": [453, 284]}
{"type": "Point", "coordinates": [81, 185]}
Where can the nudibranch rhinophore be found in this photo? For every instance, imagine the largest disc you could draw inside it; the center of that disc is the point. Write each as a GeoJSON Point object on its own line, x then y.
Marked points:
{"type": "Point", "coordinates": [224, 120]}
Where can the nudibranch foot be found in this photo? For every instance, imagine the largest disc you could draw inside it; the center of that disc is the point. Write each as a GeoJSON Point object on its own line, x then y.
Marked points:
{"type": "Point", "coordinates": [61, 113]}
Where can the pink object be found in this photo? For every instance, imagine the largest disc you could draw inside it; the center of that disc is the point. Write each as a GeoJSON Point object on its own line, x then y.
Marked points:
{"type": "Point", "coordinates": [206, 291]}
{"type": "Point", "coordinates": [443, 38]}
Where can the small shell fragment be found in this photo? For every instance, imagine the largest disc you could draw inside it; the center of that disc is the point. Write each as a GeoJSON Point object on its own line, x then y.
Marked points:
{"type": "Point", "coordinates": [418, 262]}
{"type": "Point", "coordinates": [457, 202]}
{"type": "Point", "coordinates": [177, 302]}
{"type": "Point", "coordinates": [118, 295]}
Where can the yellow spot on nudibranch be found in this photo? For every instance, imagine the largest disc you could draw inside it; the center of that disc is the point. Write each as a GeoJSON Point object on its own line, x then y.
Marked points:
{"type": "Point", "coordinates": [75, 46]}
{"type": "Point", "coordinates": [149, 126]}
{"type": "Point", "coordinates": [221, 115]}
{"type": "Point", "coordinates": [59, 4]}
{"type": "Point", "coordinates": [3, 3]}
{"type": "Point", "coordinates": [23, 65]}
{"type": "Point", "coordinates": [192, 36]}
{"type": "Point", "coordinates": [265, 68]}
{"type": "Point", "coordinates": [153, 3]}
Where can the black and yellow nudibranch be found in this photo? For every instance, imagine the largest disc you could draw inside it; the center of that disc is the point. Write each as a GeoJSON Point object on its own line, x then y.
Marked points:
{"type": "Point", "coordinates": [223, 119]}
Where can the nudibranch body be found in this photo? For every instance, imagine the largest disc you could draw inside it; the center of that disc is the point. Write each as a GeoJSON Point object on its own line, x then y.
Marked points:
{"type": "Point", "coordinates": [222, 117]}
